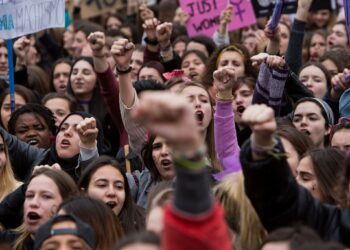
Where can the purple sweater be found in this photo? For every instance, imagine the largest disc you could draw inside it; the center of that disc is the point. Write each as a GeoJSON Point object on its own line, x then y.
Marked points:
{"type": "Point", "coordinates": [226, 143]}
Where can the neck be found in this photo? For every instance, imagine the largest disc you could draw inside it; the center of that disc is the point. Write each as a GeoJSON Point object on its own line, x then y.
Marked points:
{"type": "Point", "coordinates": [84, 97]}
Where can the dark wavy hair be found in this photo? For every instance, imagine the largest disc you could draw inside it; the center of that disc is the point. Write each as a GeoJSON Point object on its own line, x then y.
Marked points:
{"type": "Point", "coordinates": [131, 216]}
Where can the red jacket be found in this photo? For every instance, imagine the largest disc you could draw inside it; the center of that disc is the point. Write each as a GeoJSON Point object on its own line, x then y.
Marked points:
{"type": "Point", "coordinates": [208, 232]}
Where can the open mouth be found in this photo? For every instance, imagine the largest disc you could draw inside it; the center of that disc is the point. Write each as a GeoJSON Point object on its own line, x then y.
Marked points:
{"type": "Point", "coordinates": [33, 216]}
{"type": "Point", "coordinates": [199, 115]}
{"type": "Point", "coordinates": [330, 43]}
{"type": "Point", "coordinates": [193, 75]}
{"type": "Point", "coordinates": [33, 142]}
{"type": "Point", "coordinates": [166, 163]}
{"type": "Point", "coordinates": [305, 131]}
{"type": "Point", "coordinates": [240, 109]}
{"type": "Point", "coordinates": [111, 204]}
{"type": "Point", "coordinates": [65, 143]}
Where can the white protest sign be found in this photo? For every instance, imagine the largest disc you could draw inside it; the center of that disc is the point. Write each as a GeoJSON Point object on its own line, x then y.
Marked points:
{"type": "Point", "coordinates": [21, 17]}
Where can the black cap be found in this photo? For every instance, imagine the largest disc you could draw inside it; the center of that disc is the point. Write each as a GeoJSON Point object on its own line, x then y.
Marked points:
{"type": "Point", "coordinates": [82, 230]}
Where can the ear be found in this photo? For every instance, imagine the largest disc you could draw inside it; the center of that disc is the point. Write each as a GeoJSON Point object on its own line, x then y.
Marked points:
{"type": "Point", "coordinates": [328, 131]}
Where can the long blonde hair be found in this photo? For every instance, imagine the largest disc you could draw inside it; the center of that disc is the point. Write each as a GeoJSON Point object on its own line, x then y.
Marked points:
{"type": "Point", "coordinates": [8, 182]}
{"type": "Point", "coordinates": [239, 212]}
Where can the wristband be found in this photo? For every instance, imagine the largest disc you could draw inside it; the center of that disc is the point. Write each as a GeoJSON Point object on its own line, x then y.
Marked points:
{"type": "Point", "coordinates": [222, 97]}
{"type": "Point", "coordinates": [151, 41]}
{"type": "Point", "coordinates": [166, 48]}
{"type": "Point", "coordinates": [266, 151]}
{"type": "Point", "coordinates": [122, 71]}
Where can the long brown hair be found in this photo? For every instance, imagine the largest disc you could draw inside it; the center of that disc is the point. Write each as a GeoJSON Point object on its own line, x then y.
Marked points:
{"type": "Point", "coordinates": [210, 140]}
{"type": "Point", "coordinates": [66, 187]}
{"type": "Point", "coordinates": [107, 227]}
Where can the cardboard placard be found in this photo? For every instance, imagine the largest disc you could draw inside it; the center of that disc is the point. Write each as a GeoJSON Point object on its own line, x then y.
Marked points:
{"type": "Point", "coordinates": [21, 17]}
{"type": "Point", "coordinates": [205, 15]}
{"type": "Point", "coordinates": [92, 8]}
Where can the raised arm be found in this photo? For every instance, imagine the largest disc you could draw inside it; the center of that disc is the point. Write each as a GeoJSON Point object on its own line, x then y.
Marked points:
{"type": "Point", "coordinates": [122, 51]}
{"type": "Point", "coordinates": [193, 217]}
{"type": "Point", "coordinates": [271, 80]}
{"type": "Point", "coordinates": [108, 83]}
{"type": "Point", "coordinates": [277, 198]}
{"type": "Point", "coordinates": [226, 143]}
{"type": "Point", "coordinates": [294, 51]}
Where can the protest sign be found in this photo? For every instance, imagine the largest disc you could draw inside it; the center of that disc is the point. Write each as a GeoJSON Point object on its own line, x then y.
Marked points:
{"type": "Point", "coordinates": [263, 8]}
{"type": "Point", "coordinates": [91, 8]}
{"type": "Point", "coordinates": [204, 15]}
{"type": "Point", "coordinates": [21, 17]}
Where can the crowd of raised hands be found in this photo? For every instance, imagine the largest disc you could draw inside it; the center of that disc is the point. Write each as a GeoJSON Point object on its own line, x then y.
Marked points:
{"type": "Point", "coordinates": [130, 133]}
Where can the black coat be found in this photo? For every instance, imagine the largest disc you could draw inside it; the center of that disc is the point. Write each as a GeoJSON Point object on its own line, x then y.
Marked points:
{"type": "Point", "coordinates": [279, 201]}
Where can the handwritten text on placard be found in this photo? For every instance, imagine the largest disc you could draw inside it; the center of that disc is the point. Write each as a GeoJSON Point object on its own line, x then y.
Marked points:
{"type": "Point", "coordinates": [205, 15]}
{"type": "Point", "coordinates": [21, 17]}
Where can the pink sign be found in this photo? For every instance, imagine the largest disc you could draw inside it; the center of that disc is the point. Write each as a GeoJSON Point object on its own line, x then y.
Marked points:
{"type": "Point", "coordinates": [205, 15]}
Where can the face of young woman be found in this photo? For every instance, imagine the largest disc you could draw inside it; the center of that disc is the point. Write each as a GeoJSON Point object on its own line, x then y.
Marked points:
{"type": "Point", "coordinates": [200, 99]}
{"type": "Point", "coordinates": [193, 67]}
{"type": "Point", "coordinates": [113, 23]}
{"type": "Point", "coordinates": [83, 80]}
{"type": "Point", "coordinates": [79, 42]}
{"type": "Point", "coordinates": [242, 98]}
{"type": "Point", "coordinates": [147, 73]}
{"type": "Point", "coordinates": [107, 184]}
{"type": "Point", "coordinates": [180, 48]}
{"type": "Point", "coordinates": [61, 77]}
{"type": "Point", "coordinates": [6, 108]}
{"type": "Point", "coordinates": [162, 158]}
{"type": "Point", "coordinates": [60, 109]}
{"type": "Point", "coordinates": [315, 80]}
{"type": "Point", "coordinates": [63, 241]}
{"type": "Point", "coordinates": [317, 47]}
{"type": "Point", "coordinates": [232, 59]}
{"type": "Point", "coordinates": [309, 119]}
{"type": "Point", "coordinates": [320, 18]}
{"type": "Point", "coordinates": [292, 155]}
{"type": "Point", "coordinates": [3, 157]}
{"type": "Point", "coordinates": [338, 36]}
{"type": "Point", "coordinates": [67, 139]}
{"type": "Point", "coordinates": [136, 64]}
{"type": "Point", "coordinates": [331, 67]}
{"type": "Point", "coordinates": [33, 129]}
{"type": "Point", "coordinates": [42, 199]}
{"type": "Point", "coordinates": [306, 177]}
{"type": "Point", "coordinates": [341, 139]}
{"type": "Point", "coordinates": [3, 61]}
{"type": "Point", "coordinates": [284, 38]}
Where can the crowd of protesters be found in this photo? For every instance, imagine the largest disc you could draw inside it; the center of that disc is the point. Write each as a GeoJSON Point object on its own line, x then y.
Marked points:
{"type": "Point", "coordinates": [129, 133]}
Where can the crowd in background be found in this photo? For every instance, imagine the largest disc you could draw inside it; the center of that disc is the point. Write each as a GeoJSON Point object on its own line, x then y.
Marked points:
{"type": "Point", "coordinates": [129, 133]}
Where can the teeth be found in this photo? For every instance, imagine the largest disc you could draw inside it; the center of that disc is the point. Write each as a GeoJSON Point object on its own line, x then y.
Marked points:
{"type": "Point", "coordinates": [32, 141]}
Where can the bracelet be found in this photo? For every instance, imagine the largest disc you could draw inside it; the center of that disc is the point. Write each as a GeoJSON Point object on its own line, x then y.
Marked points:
{"type": "Point", "coordinates": [196, 161]}
{"type": "Point", "coordinates": [220, 97]}
{"type": "Point", "coordinates": [98, 56]}
{"type": "Point", "coordinates": [122, 71]}
{"type": "Point", "coordinates": [151, 41]}
{"type": "Point", "coordinates": [166, 48]}
{"type": "Point", "coordinates": [266, 151]}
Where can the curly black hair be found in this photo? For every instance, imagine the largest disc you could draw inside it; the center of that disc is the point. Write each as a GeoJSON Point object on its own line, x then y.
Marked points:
{"type": "Point", "coordinates": [36, 109]}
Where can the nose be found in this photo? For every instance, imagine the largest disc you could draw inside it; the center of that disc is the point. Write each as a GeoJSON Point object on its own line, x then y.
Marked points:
{"type": "Point", "coordinates": [31, 133]}
{"type": "Point", "coordinates": [111, 191]}
{"type": "Point", "coordinates": [2, 59]}
{"type": "Point", "coordinates": [197, 103]}
{"type": "Point", "coordinates": [309, 83]}
{"type": "Point", "coordinates": [68, 132]}
{"type": "Point", "coordinates": [165, 150]}
{"type": "Point", "coordinates": [34, 201]}
{"type": "Point", "coordinates": [61, 78]}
